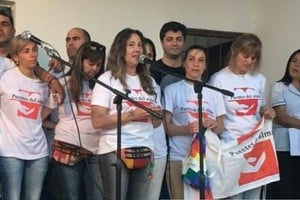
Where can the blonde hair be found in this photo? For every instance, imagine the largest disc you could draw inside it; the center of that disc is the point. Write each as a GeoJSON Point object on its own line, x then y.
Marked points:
{"type": "Point", "coordinates": [247, 44]}
{"type": "Point", "coordinates": [16, 46]}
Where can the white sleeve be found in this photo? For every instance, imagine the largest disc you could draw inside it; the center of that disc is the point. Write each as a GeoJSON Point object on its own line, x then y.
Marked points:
{"type": "Point", "coordinates": [214, 81]}
{"type": "Point", "coordinates": [101, 96]}
{"type": "Point", "coordinates": [277, 97]}
{"type": "Point", "coordinates": [6, 64]}
{"type": "Point", "coordinates": [158, 95]}
{"type": "Point", "coordinates": [168, 98]}
{"type": "Point", "coordinates": [220, 105]}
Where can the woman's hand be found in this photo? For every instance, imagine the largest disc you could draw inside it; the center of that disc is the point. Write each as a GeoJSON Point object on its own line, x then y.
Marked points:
{"type": "Point", "coordinates": [210, 123]}
{"type": "Point", "coordinates": [267, 112]}
{"type": "Point", "coordinates": [193, 127]}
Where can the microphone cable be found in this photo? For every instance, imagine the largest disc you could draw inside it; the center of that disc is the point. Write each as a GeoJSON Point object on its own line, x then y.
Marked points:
{"type": "Point", "coordinates": [78, 130]}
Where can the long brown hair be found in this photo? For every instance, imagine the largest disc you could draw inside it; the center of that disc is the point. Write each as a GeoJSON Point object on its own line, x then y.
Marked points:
{"type": "Point", "coordinates": [116, 62]}
{"type": "Point", "coordinates": [92, 51]}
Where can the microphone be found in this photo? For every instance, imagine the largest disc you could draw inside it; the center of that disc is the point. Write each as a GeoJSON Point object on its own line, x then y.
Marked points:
{"type": "Point", "coordinates": [143, 59]}
{"type": "Point", "coordinates": [27, 35]}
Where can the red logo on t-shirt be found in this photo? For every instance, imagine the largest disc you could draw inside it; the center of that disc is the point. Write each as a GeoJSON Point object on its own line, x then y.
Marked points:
{"type": "Point", "coordinates": [29, 103]}
{"type": "Point", "coordinates": [84, 108]}
{"type": "Point", "coordinates": [84, 104]}
{"type": "Point", "coordinates": [195, 115]}
{"type": "Point", "coordinates": [245, 103]}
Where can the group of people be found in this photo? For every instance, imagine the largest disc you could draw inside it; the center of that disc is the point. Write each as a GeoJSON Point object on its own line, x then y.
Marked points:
{"type": "Point", "coordinates": [84, 117]}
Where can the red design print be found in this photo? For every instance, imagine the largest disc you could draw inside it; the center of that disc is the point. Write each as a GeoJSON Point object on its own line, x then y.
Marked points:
{"type": "Point", "coordinates": [29, 105]}
{"type": "Point", "coordinates": [247, 104]}
{"type": "Point", "coordinates": [261, 163]}
{"type": "Point", "coordinates": [84, 104]}
{"type": "Point", "coordinates": [84, 108]}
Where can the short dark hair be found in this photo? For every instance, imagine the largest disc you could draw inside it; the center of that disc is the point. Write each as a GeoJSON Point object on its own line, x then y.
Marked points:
{"type": "Point", "coordinates": [172, 26]}
{"type": "Point", "coordinates": [6, 11]}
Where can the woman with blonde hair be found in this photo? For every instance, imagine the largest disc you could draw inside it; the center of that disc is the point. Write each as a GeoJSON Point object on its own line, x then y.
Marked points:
{"type": "Point", "coordinates": [23, 145]}
{"type": "Point", "coordinates": [247, 106]}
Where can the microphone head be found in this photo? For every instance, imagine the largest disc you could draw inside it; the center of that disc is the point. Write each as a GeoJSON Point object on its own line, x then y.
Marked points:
{"type": "Point", "coordinates": [142, 59]}
{"type": "Point", "coordinates": [25, 35]}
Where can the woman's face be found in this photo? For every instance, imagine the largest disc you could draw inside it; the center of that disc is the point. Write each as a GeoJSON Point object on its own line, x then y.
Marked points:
{"type": "Point", "coordinates": [27, 57]}
{"type": "Point", "coordinates": [91, 68]}
{"type": "Point", "coordinates": [149, 51]}
{"type": "Point", "coordinates": [244, 63]}
{"type": "Point", "coordinates": [294, 67]}
{"type": "Point", "coordinates": [134, 48]}
{"type": "Point", "coordinates": [195, 64]}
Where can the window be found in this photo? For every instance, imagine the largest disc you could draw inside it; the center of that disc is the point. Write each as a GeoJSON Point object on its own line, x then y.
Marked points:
{"type": "Point", "coordinates": [217, 44]}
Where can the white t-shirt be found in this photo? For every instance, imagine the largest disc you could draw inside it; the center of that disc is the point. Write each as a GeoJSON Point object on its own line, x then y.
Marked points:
{"type": "Point", "coordinates": [242, 110]}
{"type": "Point", "coordinates": [66, 129]}
{"type": "Point", "coordinates": [159, 136]}
{"type": "Point", "coordinates": [135, 133]}
{"type": "Point", "coordinates": [182, 102]}
{"type": "Point", "coordinates": [22, 100]}
{"type": "Point", "coordinates": [288, 96]}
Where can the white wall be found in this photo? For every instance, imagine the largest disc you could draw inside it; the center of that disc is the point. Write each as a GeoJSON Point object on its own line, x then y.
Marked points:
{"type": "Point", "coordinates": [276, 22]}
{"type": "Point", "coordinates": [51, 19]}
{"type": "Point", "coordinates": [278, 25]}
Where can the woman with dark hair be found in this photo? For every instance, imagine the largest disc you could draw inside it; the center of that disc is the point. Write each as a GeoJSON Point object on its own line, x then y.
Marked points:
{"type": "Point", "coordinates": [181, 115]}
{"type": "Point", "coordinates": [125, 73]}
{"type": "Point", "coordinates": [150, 50]}
{"type": "Point", "coordinates": [285, 100]}
{"type": "Point", "coordinates": [76, 141]}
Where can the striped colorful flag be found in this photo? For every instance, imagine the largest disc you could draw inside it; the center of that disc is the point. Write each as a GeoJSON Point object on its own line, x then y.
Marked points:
{"type": "Point", "coordinates": [191, 167]}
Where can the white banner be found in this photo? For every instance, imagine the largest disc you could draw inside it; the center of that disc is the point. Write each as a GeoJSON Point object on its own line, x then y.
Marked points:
{"type": "Point", "coordinates": [243, 164]}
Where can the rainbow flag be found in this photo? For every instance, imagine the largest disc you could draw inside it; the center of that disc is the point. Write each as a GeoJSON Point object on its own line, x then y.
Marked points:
{"type": "Point", "coordinates": [191, 167]}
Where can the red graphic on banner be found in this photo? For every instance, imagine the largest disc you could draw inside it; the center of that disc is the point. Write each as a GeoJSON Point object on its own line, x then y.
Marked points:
{"type": "Point", "coordinates": [261, 163]}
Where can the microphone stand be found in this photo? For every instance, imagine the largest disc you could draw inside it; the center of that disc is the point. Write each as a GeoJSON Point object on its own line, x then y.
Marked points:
{"type": "Point", "coordinates": [198, 89]}
{"type": "Point", "coordinates": [198, 86]}
{"type": "Point", "coordinates": [118, 101]}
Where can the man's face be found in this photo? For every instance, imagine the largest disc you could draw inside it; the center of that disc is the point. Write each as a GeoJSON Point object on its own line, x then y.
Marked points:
{"type": "Point", "coordinates": [7, 31]}
{"type": "Point", "coordinates": [172, 44]}
{"type": "Point", "coordinates": [75, 38]}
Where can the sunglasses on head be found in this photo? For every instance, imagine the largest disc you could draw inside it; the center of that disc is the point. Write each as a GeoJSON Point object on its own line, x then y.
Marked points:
{"type": "Point", "coordinates": [96, 47]}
